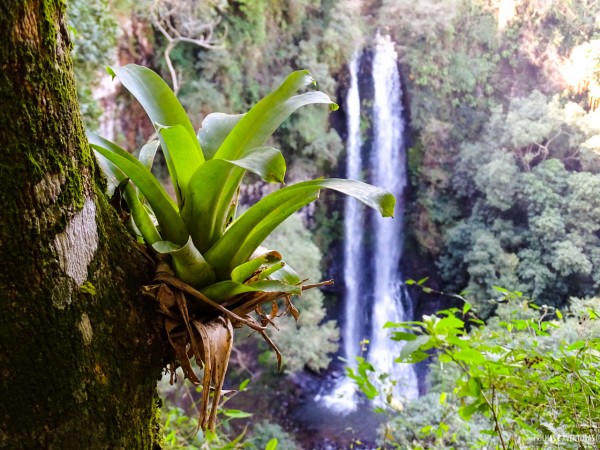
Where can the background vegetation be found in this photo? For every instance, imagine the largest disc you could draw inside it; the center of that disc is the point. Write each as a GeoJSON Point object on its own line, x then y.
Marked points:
{"type": "Point", "coordinates": [502, 104]}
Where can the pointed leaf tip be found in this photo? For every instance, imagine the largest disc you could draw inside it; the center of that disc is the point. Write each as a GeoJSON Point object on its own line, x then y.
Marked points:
{"type": "Point", "coordinates": [387, 205]}
{"type": "Point", "coordinates": [111, 72]}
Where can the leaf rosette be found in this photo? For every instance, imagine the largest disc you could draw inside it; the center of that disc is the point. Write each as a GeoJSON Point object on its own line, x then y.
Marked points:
{"type": "Point", "coordinates": [217, 272]}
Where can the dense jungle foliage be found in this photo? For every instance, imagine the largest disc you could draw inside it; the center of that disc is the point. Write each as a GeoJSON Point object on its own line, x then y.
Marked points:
{"type": "Point", "coordinates": [501, 106]}
{"type": "Point", "coordinates": [504, 149]}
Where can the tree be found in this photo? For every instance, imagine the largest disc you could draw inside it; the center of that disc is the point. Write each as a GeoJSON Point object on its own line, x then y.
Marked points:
{"type": "Point", "coordinates": [80, 351]}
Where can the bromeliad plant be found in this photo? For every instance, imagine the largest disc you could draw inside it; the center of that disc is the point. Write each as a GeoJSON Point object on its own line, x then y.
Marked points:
{"type": "Point", "coordinates": [220, 272]}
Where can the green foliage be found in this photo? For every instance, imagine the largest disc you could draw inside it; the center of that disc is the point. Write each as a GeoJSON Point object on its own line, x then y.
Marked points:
{"type": "Point", "coordinates": [479, 130]}
{"type": "Point", "coordinates": [181, 431]}
{"type": "Point", "coordinates": [265, 434]}
{"type": "Point", "coordinates": [94, 34]}
{"type": "Point", "coordinates": [197, 232]}
{"type": "Point", "coordinates": [309, 341]}
{"type": "Point", "coordinates": [530, 375]}
{"type": "Point", "coordinates": [432, 423]}
{"type": "Point", "coordinates": [447, 82]}
{"type": "Point", "coordinates": [532, 221]}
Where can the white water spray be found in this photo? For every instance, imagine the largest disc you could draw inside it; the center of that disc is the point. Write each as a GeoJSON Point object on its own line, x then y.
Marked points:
{"type": "Point", "coordinates": [388, 164]}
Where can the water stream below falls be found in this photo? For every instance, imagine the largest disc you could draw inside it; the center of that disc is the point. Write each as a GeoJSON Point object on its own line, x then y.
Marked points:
{"type": "Point", "coordinates": [374, 285]}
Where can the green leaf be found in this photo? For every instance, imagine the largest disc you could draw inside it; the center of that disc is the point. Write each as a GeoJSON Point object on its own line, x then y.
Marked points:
{"type": "Point", "coordinates": [236, 413]}
{"type": "Point", "coordinates": [444, 358]}
{"type": "Point", "coordinates": [466, 308]}
{"type": "Point", "coordinates": [415, 357]}
{"type": "Point", "coordinates": [489, 432]}
{"type": "Point", "coordinates": [99, 141]}
{"type": "Point", "coordinates": [225, 290]}
{"type": "Point", "coordinates": [244, 271]}
{"type": "Point", "coordinates": [214, 130]}
{"type": "Point", "coordinates": [412, 346]}
{"type": "Point", "coordinates": [162, 107]}
{"type": "Point", "coordinates": [426, 429]}
{"type": "Point", "coordinates": [251, 132]}
{"type": "Point", "coordinates": [286, 275]}
{"type": "Point", "coordinates": [407, 325]}
{"type": "Point", "coordinates": [467, 411]}
{"type": "Point", "coordinates": [576, 345]}
{"type": "Point", "coordinates": [210, 436]}
{"type": "Point", "coordinates": [139, 213]}
{"type": "Point", "coordinates": [114, 176]}
{"type": "Point", "coordinates": [182, 159]}
{"type": "Point", "coordinates": [172, 227]}
{"type": "Point", "coordinates": [443, 397]}
{"type": "Point", "coordinates": [456, 340]}
{"type": "Point", "coordinates": [272, 263]}
{"type": "Point", "coordinates": [140, 216]}
{"type": "Point", "coordinates": [448, 323]}
{"type": "Point", "coordinates": [473, 387]}
{"type": "Point", "coordinates": [403, 336]}
{"type": "Point", "coordinates": [266, 162]}
{"type": "Point", "coordinates": [155, 96]}
{"type": "Point", "coordinates": [188, 263]}
{"type": "Point", "coordinates": [249, 230]}
{"type": "Point", "coordinates": [268, 271]}
{"type": "Point", "coordinates": [271, 445]}
{"type": "Point", "coordinates": [203, 186]}
{"type": "Point", "coordinates": [257, 126]}
{"type": "Point", "coordinates": [244, 384]}
{"type": "Point", "coordinates": [148, 152]}
{"type": "Point", "coordinates": [470, 356]}
{"type": "Point", "coordinates": [233, 444]}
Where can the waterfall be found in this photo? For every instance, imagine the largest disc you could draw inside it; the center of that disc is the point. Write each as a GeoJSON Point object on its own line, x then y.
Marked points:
{"type": "Point", "coordinates": [388, 165]}
{"type": "Point", "coordinates": [374, 288]}
{"type": "Point", "coordinates": [343, 397]}
{"type": "Point", "coordinates": [353, 225]}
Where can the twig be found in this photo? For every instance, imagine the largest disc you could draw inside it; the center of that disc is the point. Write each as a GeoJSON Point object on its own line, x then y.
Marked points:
{"type": "Point", "coordinates": [163, 19]}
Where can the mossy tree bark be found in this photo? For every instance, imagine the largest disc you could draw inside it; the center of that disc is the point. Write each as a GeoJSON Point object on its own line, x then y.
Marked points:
{"type": "Point", "coordinates": [80, 350]}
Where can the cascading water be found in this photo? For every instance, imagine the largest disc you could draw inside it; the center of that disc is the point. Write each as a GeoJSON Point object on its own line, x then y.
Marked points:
{"type": "Point", "coordinates": [377, 276]}
{"type": "Point", "coordinates": [354, 250]}
{"type": "Point", "coordinates": [343, 396]}
{"type": "Point", "coordinates": [388, 164]}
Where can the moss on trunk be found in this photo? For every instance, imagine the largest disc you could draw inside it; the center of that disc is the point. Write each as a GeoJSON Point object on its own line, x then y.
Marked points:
{"type": "Point", "coordinates": [80, 351]}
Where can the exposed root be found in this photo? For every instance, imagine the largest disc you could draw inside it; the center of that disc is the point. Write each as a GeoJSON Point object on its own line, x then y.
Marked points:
{"type": "Point", "coordinates": [206, 334]}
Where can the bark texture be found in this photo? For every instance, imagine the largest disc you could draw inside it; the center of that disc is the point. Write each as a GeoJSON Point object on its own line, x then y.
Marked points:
{"type": "Point", "coordinates": [80, 350]}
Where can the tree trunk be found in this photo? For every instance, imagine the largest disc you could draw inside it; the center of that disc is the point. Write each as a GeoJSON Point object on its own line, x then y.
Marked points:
{"type": "Point", "coordinates": [80, 350]}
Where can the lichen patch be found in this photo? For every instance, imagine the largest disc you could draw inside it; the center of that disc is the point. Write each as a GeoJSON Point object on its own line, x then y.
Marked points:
{"type": "Point", "coordinates": [77, 245]}
{"type": "Point", "coordinates": [85, 326]}
{"type": "Point", "coordinates": [48, 190]}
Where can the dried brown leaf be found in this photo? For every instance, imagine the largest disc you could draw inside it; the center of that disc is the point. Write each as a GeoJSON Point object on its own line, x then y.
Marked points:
{"type": "Point", "coordinates": [291, 308]}
{"type": "Point", "coordinates": [178, 338]}
{"type": "Point", "coordinates": [217, 340]}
